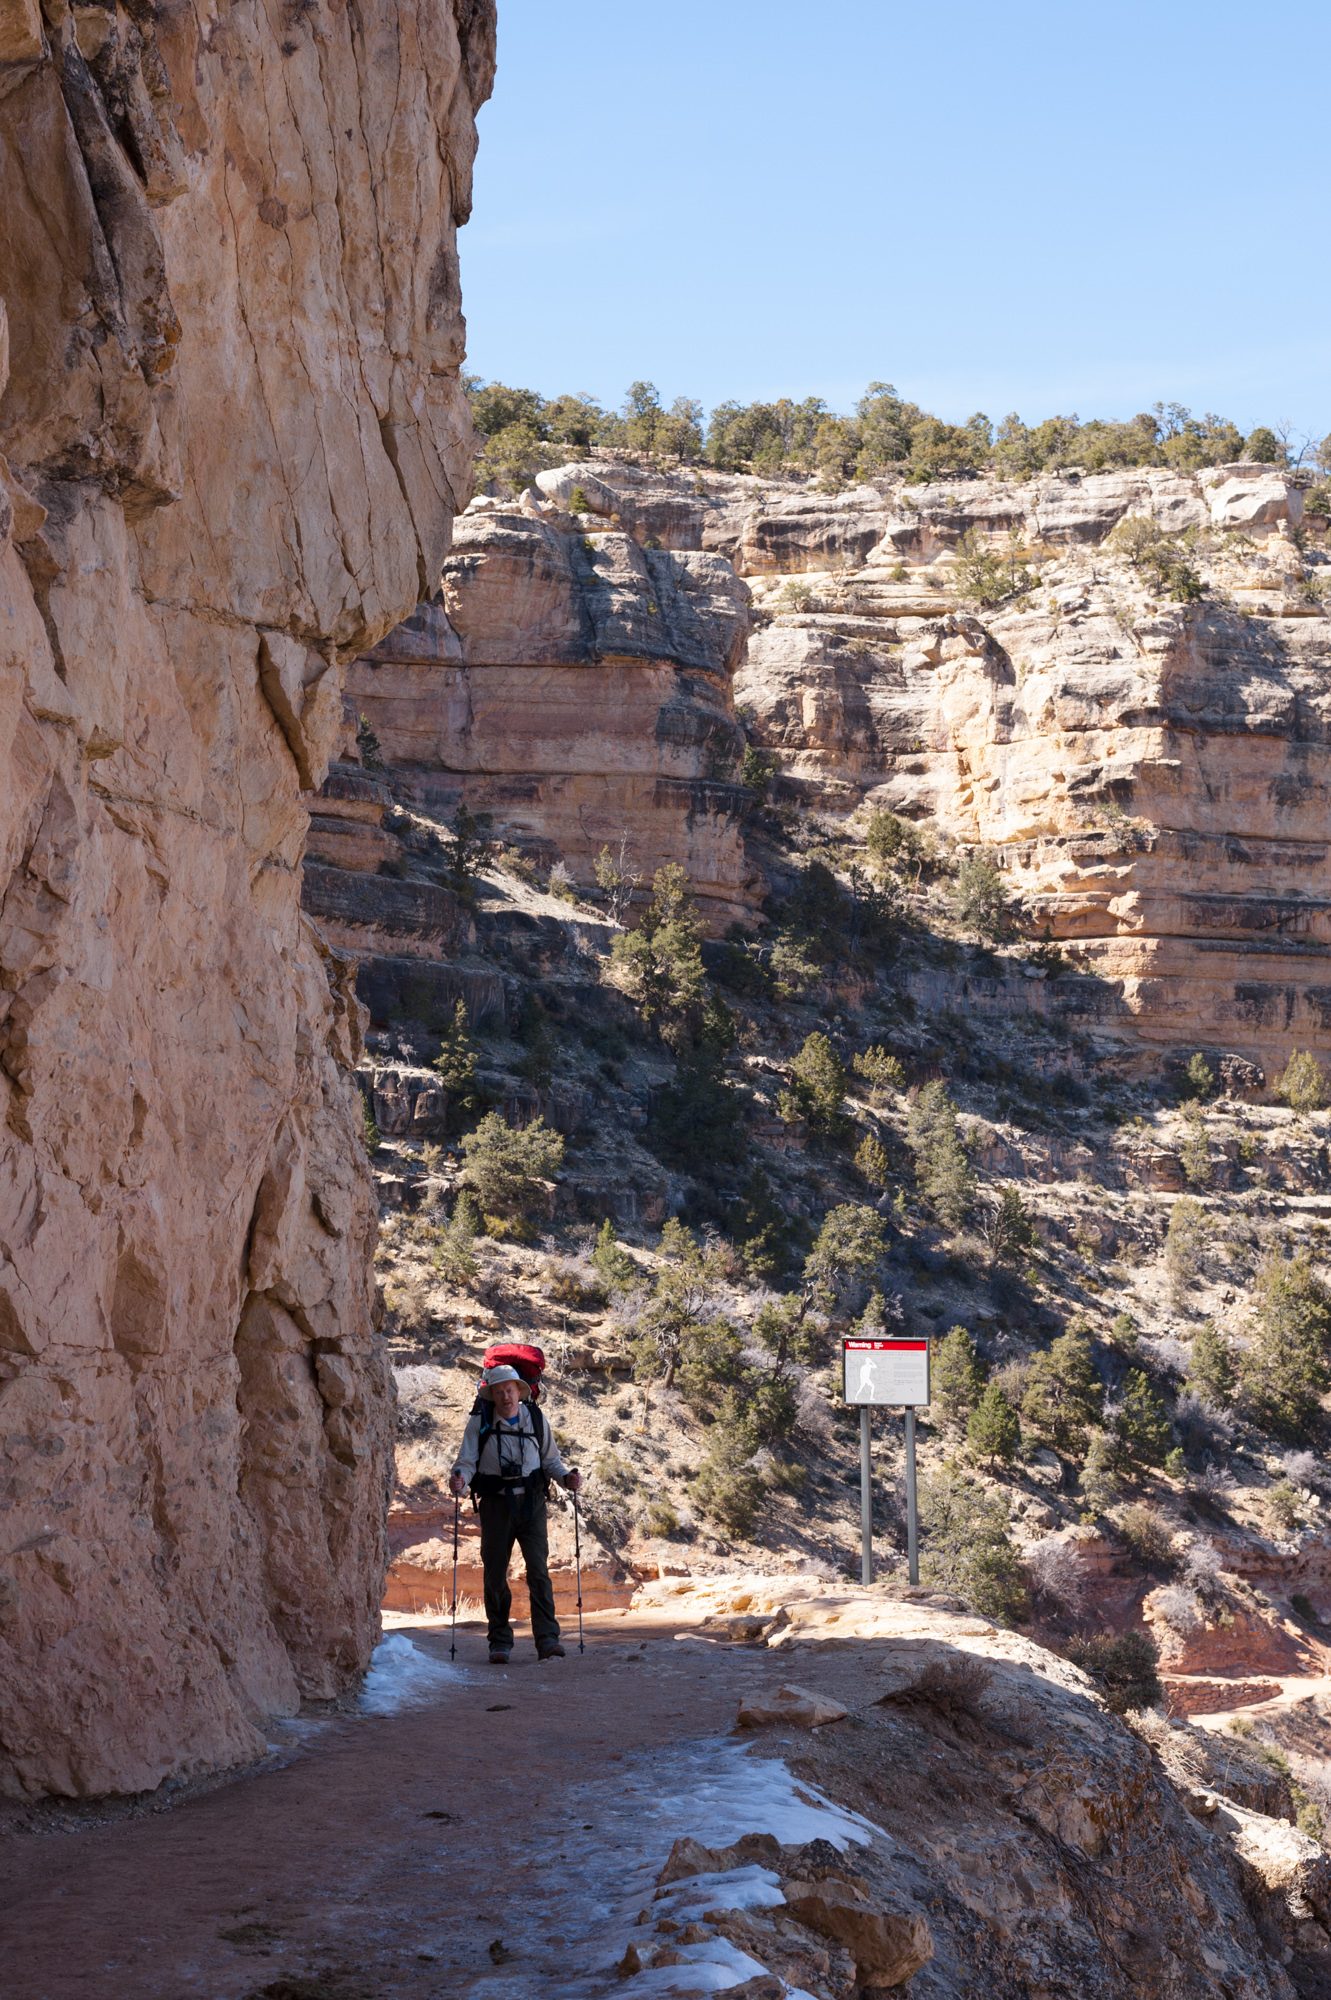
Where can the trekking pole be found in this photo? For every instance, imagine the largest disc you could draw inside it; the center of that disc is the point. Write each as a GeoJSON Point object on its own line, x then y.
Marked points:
{"type": "Point", "coordinates": [577, 1557]}
{"type": "Point", "coordinates": [453, 1636]}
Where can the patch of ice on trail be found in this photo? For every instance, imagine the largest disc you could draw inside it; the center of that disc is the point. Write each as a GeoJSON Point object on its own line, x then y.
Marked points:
{"type": "Point", "coordinates": [748, 1888]}
{"type": "Point", "coordinates": [401, 1676]}
{"type": "Point", "coordinates": [710, 1966]}
{"type": "Point", "coordinates": [740, 1792]}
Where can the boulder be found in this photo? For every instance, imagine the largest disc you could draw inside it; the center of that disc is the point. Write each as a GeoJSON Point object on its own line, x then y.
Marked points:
{"type": "Point", "coordinates": [796, 1707]}
{"type": "Point", "coordinates": [889, 1947]}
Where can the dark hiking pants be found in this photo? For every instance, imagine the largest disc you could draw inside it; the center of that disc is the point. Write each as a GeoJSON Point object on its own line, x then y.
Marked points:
{"type": "Point", "coordinates": [501, 1526]}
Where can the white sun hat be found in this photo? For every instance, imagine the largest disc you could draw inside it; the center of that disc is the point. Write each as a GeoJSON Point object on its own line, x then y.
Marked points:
{"type": "Point", "coordinates": [491, 1377]}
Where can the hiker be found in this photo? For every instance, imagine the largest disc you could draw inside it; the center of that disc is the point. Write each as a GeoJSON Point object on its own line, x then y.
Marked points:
{"type": "Point", "coordinates": [508, 1458]}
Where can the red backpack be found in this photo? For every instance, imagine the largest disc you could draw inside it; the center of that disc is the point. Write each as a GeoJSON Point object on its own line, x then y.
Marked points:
{"type": "Point", "coordinates": [529, 1362]}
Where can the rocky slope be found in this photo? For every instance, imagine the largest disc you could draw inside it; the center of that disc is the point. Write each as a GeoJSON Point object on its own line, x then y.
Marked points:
{"type": "Point", "coordinates": [234, 442]}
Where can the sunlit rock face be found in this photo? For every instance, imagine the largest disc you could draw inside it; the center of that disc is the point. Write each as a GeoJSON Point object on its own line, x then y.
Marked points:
{"type": "Point", "coordinates": [576, 686]}
{"type": "Point", "coordinates": [1151, 775]}
{"type": "Point", "coordinates": [233, 444]}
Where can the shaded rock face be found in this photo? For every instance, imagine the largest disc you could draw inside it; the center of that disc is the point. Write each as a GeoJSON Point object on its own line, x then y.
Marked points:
{"type": "Point", "coordinates": [576, 686]}
{"type": "Point", "coordinates": [233, 438]}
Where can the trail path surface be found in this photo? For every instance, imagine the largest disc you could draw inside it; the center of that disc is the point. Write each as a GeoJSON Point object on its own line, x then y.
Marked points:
{"type": "Point", "coordinates": [491, 1840]}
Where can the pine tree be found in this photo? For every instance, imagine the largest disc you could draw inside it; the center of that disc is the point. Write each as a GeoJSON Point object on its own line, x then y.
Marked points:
{"type": "Point", "coordinates": [1287, 1369]}
{"type": "Point", "coordinates": [942, 1166]}
{"type": "Point", "coordinates": [992, 1429]}
{"type": "Point", "coordinates": [871, 1160]}
{"type": "Point", "coordinates": [1211, 1372]}
{"type": "Point", "coordinates": [615, 1268]}
{"type": "Point", "coordinates": [1100, 1484]}
{"type": "Point", "coordinates": [1302, 1082]}
{"type": "Point", "coordinates": [456, 1060]}
{"type": "Point", "coordinates": [1141, 1427]}
{"type": "Point", "coordinates": [955, 1376]}
{"type": "Point", "coordinates": [817, 1086]}
{"type": "Point", "coordinates": [1063, 1397]}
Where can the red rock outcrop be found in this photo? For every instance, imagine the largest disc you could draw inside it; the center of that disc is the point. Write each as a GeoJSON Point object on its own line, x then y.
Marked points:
{"type": "Point", "coordinates": [234, 442]}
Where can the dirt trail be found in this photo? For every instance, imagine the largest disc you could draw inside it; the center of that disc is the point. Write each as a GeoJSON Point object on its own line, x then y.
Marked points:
{"type": "Point", "coordinates": [390, 1852]}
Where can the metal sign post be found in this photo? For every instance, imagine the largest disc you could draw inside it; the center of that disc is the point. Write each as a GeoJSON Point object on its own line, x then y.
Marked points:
{"type": "Point", "coordinates": [896, 1373]}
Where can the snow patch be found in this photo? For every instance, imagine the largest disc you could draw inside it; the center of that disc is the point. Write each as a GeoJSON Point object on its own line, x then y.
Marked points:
{"type": "Point", "coordinates": [741, 1792]}
{"type": "Point", "coordinates": [748, 1888]}
{"type": "Point", "coordinates": [710, 1966]}
{"type": "Point", "coordinates": [402, 1676]}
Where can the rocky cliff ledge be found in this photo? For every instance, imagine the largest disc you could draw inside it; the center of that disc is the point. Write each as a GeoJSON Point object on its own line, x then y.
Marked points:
{"type": "Point", "coordinates": [1151, 774]}
{"type": "Point", "coordinates": [575, 684]}
{"type": "Point", "coordinates": [234, 441]}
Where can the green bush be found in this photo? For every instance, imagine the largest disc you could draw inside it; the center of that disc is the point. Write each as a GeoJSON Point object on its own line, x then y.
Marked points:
{"type": "Point", "coordinates": [942, 1166]}
{"type": "Point", "coordinates": [993, 1431]}
{"type": "Point", "coordinates": [845, 1256]}
{"type": "Point", "coordinates": [1062, 1397]}
{"type": "Point", "coordinates": [728, 1489]}
{"type": "Point", "coordinates": [1211, 1372]}
{"type": "Point", "coordinates": [1147, 1533]}
{"type": "Point", "coordinates": [659, 965]}
{"type": "Point", "coordinates": [980, 899]}
{"type": "Point", "coordinates": [1009, 1228]}
{"type": "Point", "coordinates": [507, 1166]}
{"type": "Point", "coordinates": [1287, 1369]}
{"type": "Point", "coordinates": [1099, 1478]}
{"type": "Point", "coordinates": [1195, 1148]}
{"type": "Point", "coordinates": [967, 1547]}
{"type": "Point", "coordinates": [369, 1129]}
{"type": "Point", "coordinates": [817, 1089]}
{"type": "Point", "coordinates": [1185, 1243]}
{"type": "Point", "coordinates": [711, 1360]}
{"type": "Point", "coordinates": [1141, 1423]}
{"type": "Point", "coordinates": [1124, 1665]}
{"type": "Point", "coordinates": [1302, 1082]}
{"type": "Point", "coordinates": [615, 1268]}
{"type": "Point", "coordinates": [1198, 1079]}
{"type": "Point", "coordinates": [658, 1517]}
{"type": "Point", "coordinates": [895, 845]}
{"type": "Point", "coordinates": [881, 1071]}
{"type": "Point", "coordinates": [454, 1251]}
{"type": "Point", "coordinates": [988, 576]}
{"type": "Point", "coordinates": [955, 1376]}
{"type": "Point", "coordinates": [871, 1160]}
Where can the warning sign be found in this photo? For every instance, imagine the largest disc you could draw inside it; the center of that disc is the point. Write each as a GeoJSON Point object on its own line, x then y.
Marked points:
{"type": "Point", "coordinates": [886, 1371]}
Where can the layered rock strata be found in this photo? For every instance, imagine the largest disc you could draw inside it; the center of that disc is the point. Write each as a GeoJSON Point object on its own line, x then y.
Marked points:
{"type": "Point", "coordinates": [1152, 775]}
{"type": "Point", "coordinates": [234, 442]}
{"type": "Point", "coordinates": [576, 687]}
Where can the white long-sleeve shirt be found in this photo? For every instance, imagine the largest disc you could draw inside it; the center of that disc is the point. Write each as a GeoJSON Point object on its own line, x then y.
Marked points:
{"type": "Point", "coordinates": [511, 1450]}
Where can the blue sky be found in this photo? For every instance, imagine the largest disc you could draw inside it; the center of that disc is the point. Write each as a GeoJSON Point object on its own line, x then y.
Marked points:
{"type": "Point", "coordinates": [1026, 206]}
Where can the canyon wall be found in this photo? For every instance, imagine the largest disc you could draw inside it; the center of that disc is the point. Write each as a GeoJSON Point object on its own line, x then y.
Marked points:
{"type": "Point", "coordinates": [1151, 775]}
{"type": "Point", "coordinates": [233, 444]}
{"type": "Point", "coordinates": [575, 685]}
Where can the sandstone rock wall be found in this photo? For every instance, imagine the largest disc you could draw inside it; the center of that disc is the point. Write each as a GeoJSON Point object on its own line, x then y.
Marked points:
{"type": "Point", "coordinates": [233, 446]}
{"type": "Point", "coordinates": [575, 685]}
{"type": "Point", "coordinates": [1153, 776]}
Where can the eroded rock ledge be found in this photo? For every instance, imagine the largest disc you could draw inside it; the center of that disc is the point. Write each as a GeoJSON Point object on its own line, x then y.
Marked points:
{"type": "Point", "coordinates": [234, 441]}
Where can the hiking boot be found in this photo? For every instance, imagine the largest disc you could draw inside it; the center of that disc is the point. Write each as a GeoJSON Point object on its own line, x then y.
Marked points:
{"type": "Point", "coordinates": [499, 1656]}
{"type": "Point", "coordinates": [552, 1650]}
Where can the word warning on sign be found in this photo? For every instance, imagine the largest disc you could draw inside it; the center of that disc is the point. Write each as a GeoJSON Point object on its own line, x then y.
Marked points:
{"type": "Point", "coordinates": [886, 1371]}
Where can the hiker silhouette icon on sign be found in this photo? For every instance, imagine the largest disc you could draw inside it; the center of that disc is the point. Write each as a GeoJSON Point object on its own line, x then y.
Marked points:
{"type": "Point", "coordinates": [867, 1386]}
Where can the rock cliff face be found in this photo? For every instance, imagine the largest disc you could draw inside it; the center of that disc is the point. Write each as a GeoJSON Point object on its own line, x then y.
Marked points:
{"type": "Point", "coordinates": [576, 686]}
{"type": "Point", "coordinates": [1152, 775]}
{"type": "Point", "coordinates": [234, 444]}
